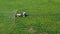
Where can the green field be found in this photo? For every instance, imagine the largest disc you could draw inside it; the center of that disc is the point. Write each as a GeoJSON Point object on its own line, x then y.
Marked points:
{"type": "Point", "coordinates": [44, 17]}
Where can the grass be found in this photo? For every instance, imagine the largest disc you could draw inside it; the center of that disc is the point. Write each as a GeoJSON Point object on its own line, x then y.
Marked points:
{"type": "Point", "coordinates": [44, 17]}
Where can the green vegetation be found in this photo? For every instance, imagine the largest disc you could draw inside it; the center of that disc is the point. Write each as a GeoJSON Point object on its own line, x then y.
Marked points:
{"type": "Point", "coordinates": [44, 17]}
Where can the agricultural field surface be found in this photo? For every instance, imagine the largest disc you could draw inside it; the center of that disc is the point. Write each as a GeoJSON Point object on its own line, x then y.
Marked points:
{"type": "Point", "coordinates": [44, 17]}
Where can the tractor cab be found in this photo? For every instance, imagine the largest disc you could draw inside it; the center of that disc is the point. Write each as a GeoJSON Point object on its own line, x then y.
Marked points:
{"type": "Point", "coordinates": [24, 14]}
